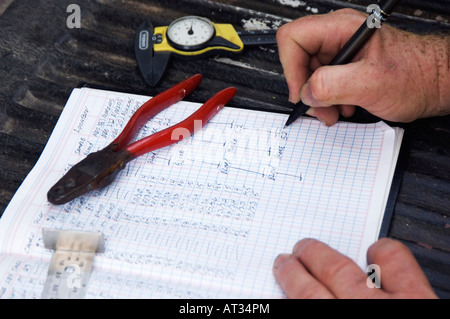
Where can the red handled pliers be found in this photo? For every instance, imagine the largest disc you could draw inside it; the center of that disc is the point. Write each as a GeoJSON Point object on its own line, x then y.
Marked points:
{"type": "Point", "coordinates": [99, 169]}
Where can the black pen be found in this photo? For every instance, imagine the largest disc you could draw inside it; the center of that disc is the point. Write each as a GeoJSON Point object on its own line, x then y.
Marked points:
{"type": "Point", "coordinates": [379, 15]}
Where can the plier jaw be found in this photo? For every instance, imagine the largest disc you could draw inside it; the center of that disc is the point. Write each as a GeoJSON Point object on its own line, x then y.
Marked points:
{"type": "Point", "coordinates": [99, 169]}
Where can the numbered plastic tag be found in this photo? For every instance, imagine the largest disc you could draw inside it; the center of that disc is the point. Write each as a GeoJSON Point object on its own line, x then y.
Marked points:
{"type": "Point", "coordinates": [71, 264]}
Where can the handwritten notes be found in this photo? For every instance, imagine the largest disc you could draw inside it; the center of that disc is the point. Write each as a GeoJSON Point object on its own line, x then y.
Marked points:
{"type": "Point", "coordinates": [207, 216]}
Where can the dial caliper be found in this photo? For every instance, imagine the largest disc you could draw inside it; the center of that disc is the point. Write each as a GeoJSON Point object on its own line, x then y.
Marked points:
{"type": "Point", "coordinates": [190, 37]}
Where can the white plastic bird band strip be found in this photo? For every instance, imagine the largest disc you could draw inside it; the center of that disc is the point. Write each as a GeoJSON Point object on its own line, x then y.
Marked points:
{"type": "Point", "coordinates": [71, 264]}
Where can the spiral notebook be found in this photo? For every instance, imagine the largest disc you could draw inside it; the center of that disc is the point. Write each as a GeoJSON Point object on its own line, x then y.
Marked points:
{"type": "Point", "coordinates": [204, 218]}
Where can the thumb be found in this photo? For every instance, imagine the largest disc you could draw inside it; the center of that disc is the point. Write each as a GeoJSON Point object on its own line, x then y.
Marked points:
{"type": "Point", "coordinates": [336, 85]}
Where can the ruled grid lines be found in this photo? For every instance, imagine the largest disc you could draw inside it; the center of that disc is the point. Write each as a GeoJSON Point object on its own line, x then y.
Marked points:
{"type": "Point", "coordinates": [207, 216]}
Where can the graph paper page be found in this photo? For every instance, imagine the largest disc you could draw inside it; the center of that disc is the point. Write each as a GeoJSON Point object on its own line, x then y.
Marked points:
{"type": "Point", "coordinates": [205, 217]}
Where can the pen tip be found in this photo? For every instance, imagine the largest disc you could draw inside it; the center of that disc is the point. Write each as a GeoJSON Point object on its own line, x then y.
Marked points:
{"type": "Point", "coordinates": [299, 110]}
{"type": "Point", "coordinates": [289, 121]}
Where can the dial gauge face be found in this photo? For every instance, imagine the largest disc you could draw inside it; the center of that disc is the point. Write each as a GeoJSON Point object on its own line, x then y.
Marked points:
{"type": "Point", "coordinates": [190, 33]}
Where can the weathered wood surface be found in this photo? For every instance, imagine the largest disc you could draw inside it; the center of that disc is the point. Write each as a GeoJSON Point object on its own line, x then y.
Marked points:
{"type": "Point", "coordinates": [41, 60]}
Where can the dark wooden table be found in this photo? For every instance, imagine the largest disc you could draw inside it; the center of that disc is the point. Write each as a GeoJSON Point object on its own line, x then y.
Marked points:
{"type": "Point", "coordinates": [41, 60]}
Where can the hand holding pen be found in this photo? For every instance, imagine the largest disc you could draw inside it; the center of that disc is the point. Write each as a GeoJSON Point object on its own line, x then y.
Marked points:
{"type": "Point", "coordinates": [398, 76]}
{"type": "Point", "coordinates": [394, 76]}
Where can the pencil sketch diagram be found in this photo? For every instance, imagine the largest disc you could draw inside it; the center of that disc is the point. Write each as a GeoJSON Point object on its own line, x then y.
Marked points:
{"type": "Point", "coordinates": [227, 145]}
{"type": "Point", "coordinates": [231, 146]}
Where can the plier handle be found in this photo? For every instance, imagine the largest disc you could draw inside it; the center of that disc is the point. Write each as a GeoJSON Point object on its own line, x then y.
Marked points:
{"type": "Point", "coordinates": [99, 169]}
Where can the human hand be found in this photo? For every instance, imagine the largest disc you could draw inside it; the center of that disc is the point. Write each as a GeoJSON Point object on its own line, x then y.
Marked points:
{"type": "Point", "coordinates": [397, 76]}
{"type": "Point", "coordinates": [314, 270]}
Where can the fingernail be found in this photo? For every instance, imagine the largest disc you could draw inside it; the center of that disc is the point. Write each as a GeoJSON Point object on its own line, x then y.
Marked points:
{"type": "Point", "coordinates": [323, 121]}
{"type": "Point", "coordinates": [307, 97]}
{"type": "Point", "coordinates": [300, 245]}
{"type": "Point", "coordinates": [293, 100]}
{"type": "Point", "coordinates": [311, 111]}
{"type": "Point", "coordinates": [279, 260]}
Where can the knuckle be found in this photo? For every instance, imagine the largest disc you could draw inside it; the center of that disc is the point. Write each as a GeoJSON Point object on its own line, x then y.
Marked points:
{"type": "Point", "coordinates": [282, 31]}
{"type": "Point", "coordinates": [348, 11]}
{"type": "Point", "coordinates": [351, 13]}
{"type": "Point", "coordinates": [336, 268]}
{"type": "Point", "coordinates": [391, 249]}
